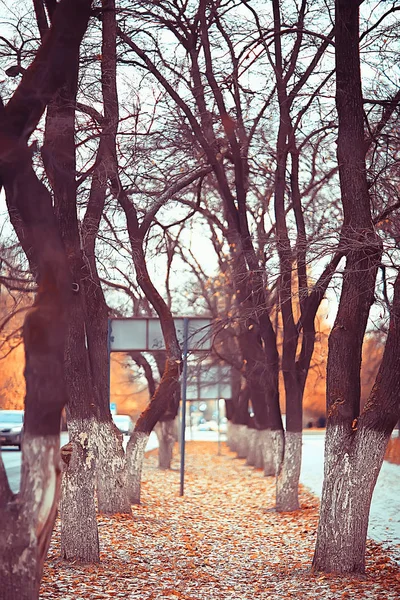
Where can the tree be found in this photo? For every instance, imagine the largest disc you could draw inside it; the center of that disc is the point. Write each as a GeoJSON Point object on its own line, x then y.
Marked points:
{"type": "Point", "coordinates": [227, 137]}
{"type": "Point", "coordinates": [27, 520]}
{"type": "Point", "coordinates": [355, 442]}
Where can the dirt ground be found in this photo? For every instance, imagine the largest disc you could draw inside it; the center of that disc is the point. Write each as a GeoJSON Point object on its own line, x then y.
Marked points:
{"type": "Point", "coordinates": [222, 540]}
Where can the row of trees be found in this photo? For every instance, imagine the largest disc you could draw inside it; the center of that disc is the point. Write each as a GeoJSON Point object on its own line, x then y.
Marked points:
{"type": "Point", "coordinates": [225, 113]}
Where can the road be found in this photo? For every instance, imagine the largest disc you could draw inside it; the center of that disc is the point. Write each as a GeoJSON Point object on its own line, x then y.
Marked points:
{"type": "Point", "coordinates": [384, 519]}
{"type": "Point", "coordinates": [384, 523]}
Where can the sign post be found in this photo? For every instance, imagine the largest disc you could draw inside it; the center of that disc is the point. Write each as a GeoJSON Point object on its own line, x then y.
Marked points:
{"type": "Point", "coordinates": [219, 427]}
{"type": "Point", "coordinates": [144, 334]}
{"type": "Point", "coordinates": [183, 412]}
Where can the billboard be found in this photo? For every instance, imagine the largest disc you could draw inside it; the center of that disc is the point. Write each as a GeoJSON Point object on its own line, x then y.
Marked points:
{"type": "Point", "coordinates": [144, 334]}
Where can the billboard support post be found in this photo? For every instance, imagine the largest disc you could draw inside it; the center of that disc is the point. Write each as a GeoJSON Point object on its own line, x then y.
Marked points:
{"type": "Point", "coordinates": [144, 334]}
{"type": "Point", "coordinates": [183, 410]}
{"type": "Point", "coordinates": [219, 427]}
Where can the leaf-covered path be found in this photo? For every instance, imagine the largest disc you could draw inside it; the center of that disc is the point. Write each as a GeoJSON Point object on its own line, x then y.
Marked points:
{"type": "Point", "coordinates": [222, 540]}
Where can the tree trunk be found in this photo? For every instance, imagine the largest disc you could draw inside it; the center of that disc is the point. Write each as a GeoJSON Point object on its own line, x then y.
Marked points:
{"type": "Point", "coordinates": [240, 416]}
{"type": "Point", "coordinates": [28, 518]}
{"type": "Point", "coordinates": [272, 444]}
{"type": "Point", "coordinates": [259, 457]}
{"type": "Point", "coordinates": [111, 494]}
{"type": "Point", "coordinates": [350, 476]}
{"type": "Point", "coordinates": [287, 483]}
{"type": "Point", "coordinates": [27, 522]}
{"type": "Point", "coordinates": [134, 458]}
{"type": "Point", "coordinates": [252, 449]}
{"type": "Point", "coordinates": [87, 358]}
{"type": "Point", "coordinates": [166, 435]}
{"type": "Point", "coordinates": [112, 497]}
{"type": "Point", "coordinates": [355, 443]}
{"type": "Point", "coordinates": [233, 436]}
{"type": "Point", "coordinates": [353, 457]}
{"type": "Point", "coordinates": [79, 534]}
{"type": "Point", "coordinates": [167, 389]}
{"type": "Point", "coordinates": [242, 447]}
{"type": "Point", "coordinates": [165, 402]}
{"type": "Point", "coordinates": [78, 513]}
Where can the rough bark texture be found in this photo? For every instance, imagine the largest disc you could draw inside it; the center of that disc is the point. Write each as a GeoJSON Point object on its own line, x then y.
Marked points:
{"type": "Point", "coordinates": [112, 497]}
{"type": "Point", "coordinates": [353, 458]}
{"type": "Point", "coordinates": [259, 456]}
{"type": "Point", "coordinates": [110, 470]}
{"type": "Point", "coordinates": [134, 458]}
{"type": "Point", "coordinates": [355, 443]}
{"type": "Point", "coordinates": [167, 435]}
{"type": "Point", "coordinates": [287, 483]}
{"type": "Point", "coordinates": [27, 519]}
{"type": "Point", "coordinates": [272, 444]}
{"type": "Point", "coordinates": [165, 400]}
{"type": "Point", "coordinates": [349, 483]}
{"type": "Point", "coordinates": [233, 433]}
{"type": "Point", "coordinates": [251, 451]}
{"type": "Point", "coordinates": [79, 535]}
{"type": "Point", "coordinates": [242, 446]}
{"type": "Point", "coordinates": [86, 355]}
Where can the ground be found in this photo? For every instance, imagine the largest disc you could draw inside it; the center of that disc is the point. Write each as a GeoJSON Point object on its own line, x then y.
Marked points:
{"type": "Point", "coordinates": [222, 540]}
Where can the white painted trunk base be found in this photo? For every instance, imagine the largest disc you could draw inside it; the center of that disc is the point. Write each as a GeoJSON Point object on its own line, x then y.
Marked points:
{"type": "Point", "coordinates": [79, 534]}
{"type": "Point", "coordinates": [259, 454]}
{"type": "Point", "coordinates": [242, 441]}
{"type": "Point", "coordinates": [112, 496]}
{"type": "Point", "coordinates": [272, 445]}
{"type": "Point", "coordinates": [26, 527]}
{"type": "Point", "coordinates": [229, 435]}
{"type": "Point", "coordinates": [251, 450]}
{"type": "Point", "coordinates": [134, 458]}
{"type": "Point", "coordinates": [233, 436]}
{"type": "Point", "coordinates": [352, 465]}
{"type": "Point", "coordinates": [287, 481]}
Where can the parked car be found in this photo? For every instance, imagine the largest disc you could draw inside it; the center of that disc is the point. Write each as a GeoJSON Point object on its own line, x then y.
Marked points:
{"type": "Point", "coordinates": [11, 427]}
{"type": "Point", "coordinates": [213, 425]}
{"type": "Point", "coordinates": [124, 423]}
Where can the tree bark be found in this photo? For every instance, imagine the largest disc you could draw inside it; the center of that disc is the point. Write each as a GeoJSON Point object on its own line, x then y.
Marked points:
{"type": "Point", "coordinates": [167, 435]}
{"type": "Point", "coordinates": [134, 458]}
{"type": "Point", "coordinates": [88, 361]}
{"type": "Point", "coordinates": [251, 452]}
{"type": "Point", "coordinates": [273, 448]}
{"type": "Point", "coordinates": [166, 428]}
{"type": "Point", "coordinates": [287, 483]}
{"type": "Point", "coordinates": [79, 534]}
{"type": "Point", "coordinates": [145, 425]}
{"type": "Point", "coordinates": [167, 395]}
{"type": "Point", "coordinates": [29, 517]}
{"type": "Point", "coordinates": [59, 158]}
{"type": "Point", "coordinates": [355, 443]}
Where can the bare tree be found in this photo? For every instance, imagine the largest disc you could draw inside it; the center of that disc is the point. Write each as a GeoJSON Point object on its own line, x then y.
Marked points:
{"type": "Point", "coordinates": [27, 520]}
{"type": "Point", "coordinates": [355, 443]}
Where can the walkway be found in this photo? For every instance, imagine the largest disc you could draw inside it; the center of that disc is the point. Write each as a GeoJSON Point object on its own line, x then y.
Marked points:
{"type": "Point", "coordinates": [221, 541]}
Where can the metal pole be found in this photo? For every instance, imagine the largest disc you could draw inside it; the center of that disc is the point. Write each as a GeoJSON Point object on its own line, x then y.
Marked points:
{"type": "Point", "coordinates": [183, 412]}
{"type": "Point", "coordinates": [190, 421]}
{"type": "Point", "coordinates": [219, 425]}
{"type": "Point", "coordinates": [109, 360]}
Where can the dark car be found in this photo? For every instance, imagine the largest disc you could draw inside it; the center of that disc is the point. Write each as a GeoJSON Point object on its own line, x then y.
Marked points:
{"type": "Point", "coordinates": [11, 427]}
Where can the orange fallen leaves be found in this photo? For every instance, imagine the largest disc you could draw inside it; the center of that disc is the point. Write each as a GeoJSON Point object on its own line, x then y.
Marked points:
{"type": "Point", "coordinates": [221, 541]}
